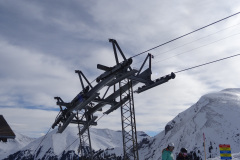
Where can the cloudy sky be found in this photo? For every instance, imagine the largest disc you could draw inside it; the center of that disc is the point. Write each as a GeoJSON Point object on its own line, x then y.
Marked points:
{"type": "Point", "coordinates": [43, 42]}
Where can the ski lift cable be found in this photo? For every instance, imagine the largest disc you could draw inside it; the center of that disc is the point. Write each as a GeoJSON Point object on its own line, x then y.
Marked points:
{"type": "Point", "coordinates": [196, 48]}
{"type": "Point", "coordinates": [71, 144]}
{"type": "Point", "coordinates": [170, 57]}
{"type": "Point", "coordinates": [100, 118]}
{"type": "Point", "coordinates": [186, 34]}
{"type": "Point", "coordinates": [93, 80]}
{"type": "Point", "coordinates": [207, 63]}
{"type": "Point", "coordinates": [158, 54]}
{"type": "Point", "coordinates": [43, 138]}
{"type": "Point", "coordinates": [41, 141]}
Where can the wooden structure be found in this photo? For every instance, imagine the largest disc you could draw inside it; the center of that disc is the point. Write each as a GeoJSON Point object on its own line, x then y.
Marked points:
{"type": "Point", "coordinates": [5, 130]}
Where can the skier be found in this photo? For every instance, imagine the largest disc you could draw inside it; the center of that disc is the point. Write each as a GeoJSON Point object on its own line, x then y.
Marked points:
{"type": "Point", "coordinates": [183, 154]}
{"type": "Point", "coordinates": [167, 152]}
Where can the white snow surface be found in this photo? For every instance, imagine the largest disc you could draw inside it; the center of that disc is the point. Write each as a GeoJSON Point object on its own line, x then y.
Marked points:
{"type": "Point", "coordinates": [68, 140]}
{"type": "Point", "coordinates": [217, 115]}
{"type": "Point", "coordinates": [14, 145]}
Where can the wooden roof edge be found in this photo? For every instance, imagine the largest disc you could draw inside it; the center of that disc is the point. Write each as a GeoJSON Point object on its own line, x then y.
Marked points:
{"type": "Point", "coordinates": [11, 133]}
{"type": "Point", "coordinates": [8, 137]}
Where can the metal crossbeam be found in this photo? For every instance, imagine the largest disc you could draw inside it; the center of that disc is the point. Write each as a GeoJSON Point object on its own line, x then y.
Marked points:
{"type": "Point", "coordinates": [89, 100]}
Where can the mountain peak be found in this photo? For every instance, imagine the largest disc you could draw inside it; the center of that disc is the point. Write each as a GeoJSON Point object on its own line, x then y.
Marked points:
{"type": "Point", "coordinates": [14, 145]}
{"type": "Point", "coordinates": [215, 114]}
{"type": "Point", "coordinates": [56, 145]}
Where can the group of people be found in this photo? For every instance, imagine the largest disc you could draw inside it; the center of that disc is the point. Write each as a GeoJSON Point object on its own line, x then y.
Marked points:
{"type": "Point", "coordinates": [168, 155]}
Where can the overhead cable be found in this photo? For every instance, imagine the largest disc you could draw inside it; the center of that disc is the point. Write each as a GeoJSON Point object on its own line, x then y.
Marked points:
{"type": "Point", "coordinates": [197, 48]}
{"type": "Point", "coordinates": [41, 141]}
{"type": "Point", "coordinates": [197, 40]}
{"type": "Point", "coordinates": [186, 34]}
{"type": "Point", "coordinates": [207, 63]}
{"type": "Point", "coordinates": [159, 54]}
{"type": "Point", "coordinates": [71, 144]}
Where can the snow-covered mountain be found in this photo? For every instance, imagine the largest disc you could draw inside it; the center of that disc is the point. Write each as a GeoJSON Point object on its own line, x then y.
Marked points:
{"type": "Point", "coordinates": [14, 145]}
{"type": "Point", "coordinates": [66, 144]}
{"type": "Point", "coordinates": [217, 115]}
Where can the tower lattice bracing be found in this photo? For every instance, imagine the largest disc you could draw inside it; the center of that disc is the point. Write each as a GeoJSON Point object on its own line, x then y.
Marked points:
{"type": "Point", "coordinates": [93, 98]}
{"type": "Point", "coordinates": [128, 119]}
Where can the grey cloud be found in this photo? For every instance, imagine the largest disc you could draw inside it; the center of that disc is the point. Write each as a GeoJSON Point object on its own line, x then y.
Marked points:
{"type": "Point", "coordinates": [43, 42]}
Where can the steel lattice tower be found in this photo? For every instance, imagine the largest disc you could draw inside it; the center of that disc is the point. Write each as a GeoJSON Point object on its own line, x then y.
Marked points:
{"type": "Point", "coordinates": [90, 100]}
{"type": "Point", "coordinates": [85, 147]}
{"type": "Point", "coordinates": [129, 132]}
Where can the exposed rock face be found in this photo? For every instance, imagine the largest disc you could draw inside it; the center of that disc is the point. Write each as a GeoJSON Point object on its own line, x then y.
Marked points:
{"type": "Point", "coordinates": [169, 126]}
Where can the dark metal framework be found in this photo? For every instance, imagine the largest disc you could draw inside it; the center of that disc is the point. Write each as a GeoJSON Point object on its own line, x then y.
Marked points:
{"type": "Point", "coordinates": [128, 119]}
{"type": "Point", "coordinates": [129, 131]}
{"type": "Point", "coordinates": [85, 146]}
{"type": "Point", "coordinates": [82, 108]}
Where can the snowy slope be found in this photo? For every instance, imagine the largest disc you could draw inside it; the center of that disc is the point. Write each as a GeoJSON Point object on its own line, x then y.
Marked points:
{"type": "Point", "coordinates": [53, 145]}
{"type": "Point", "coordinates": [217, 115]}
{"type": "Point", "coordinates": [14, 145]}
